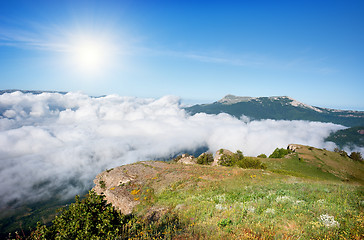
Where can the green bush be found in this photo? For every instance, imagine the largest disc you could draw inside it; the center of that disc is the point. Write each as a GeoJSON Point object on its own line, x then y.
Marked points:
{"type": "Point", "coordinates": [102, 184]}
{"type": "Point", "coordinates": [356, 156]}
{"type": "Point", "coordinates": [238, 159]}
{"type": "Point", "coordinates": [224, 222]}
{"type": "Point", "coordinates": [262, 156]}
{"type": "Point", "coordinates": [205, 159]}
{"type": "Point", "coordinates": [280, 153]}
{"type": "Point", "coordinates": [86, 219]}
{"type": "Point", "coordinates": [227, 160]}
{"type": "Point", "coordinates": [93, 218]}
{"type": "Point", "coordinates": [343, 153]}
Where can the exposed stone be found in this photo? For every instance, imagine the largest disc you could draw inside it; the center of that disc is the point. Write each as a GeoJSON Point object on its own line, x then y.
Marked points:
{"type": "Point", "coordinates": [218, 155]}
{"type": "Point", "coordinates": [293, 147]}
{"type": "Point", "coordinates": [187, 159]}
{"type": "Point", "coordinates": [109, 183]}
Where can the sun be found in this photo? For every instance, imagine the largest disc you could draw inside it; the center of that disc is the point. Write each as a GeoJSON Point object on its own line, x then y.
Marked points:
{"type": "Point", "coordinates": [90, 54]}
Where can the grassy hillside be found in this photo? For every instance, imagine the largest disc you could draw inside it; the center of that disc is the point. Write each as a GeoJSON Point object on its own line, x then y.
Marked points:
{"type": "Point", "coordinates": [309, 194]}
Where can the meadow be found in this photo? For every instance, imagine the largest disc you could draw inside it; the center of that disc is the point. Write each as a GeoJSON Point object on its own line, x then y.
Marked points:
{"type": "Point", "coordinates": [310, 194]}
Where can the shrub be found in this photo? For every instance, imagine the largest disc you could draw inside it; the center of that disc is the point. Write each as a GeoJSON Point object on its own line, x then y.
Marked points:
{"type": "Point", "coordinates": [356, 156]}
{"type": "Point", "coordinates": [102, 184]}
{"type": "Point", "coordinates": [176, 159]}
{"type": "Point", "coordinates": [93, 218]}
{"type": "Point", "coordinates": [343, 153]}
{"type": "Point", "coordinates": [280, 153]}
{"type": "Point", "coordinates": [224, 222]}
{"type": "Point", "coordinates": [231, 160]}
{"type": "Point", "coordinates": [205, 159]}
{"type": "Point", "coordinates": [86, 219]}
{"type": "Point", "coordinates": [238, 159]}
{"type": "Point", "coordinates": [250, 162]}
{"type": "Point", "coordinates": [262, 156]}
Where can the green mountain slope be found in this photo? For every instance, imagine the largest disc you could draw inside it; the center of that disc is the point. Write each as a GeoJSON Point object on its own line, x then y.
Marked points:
{"type": "Point", "coordinates": [348, 137]}
{"type": "Point", "coordinates": [279, 108]}
{"type": "Point", "coordinates": [309, 194]}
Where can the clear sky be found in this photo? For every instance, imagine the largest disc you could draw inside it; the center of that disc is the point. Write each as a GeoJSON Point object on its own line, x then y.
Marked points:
{"type": "Point", "coordinates": [312, 51]}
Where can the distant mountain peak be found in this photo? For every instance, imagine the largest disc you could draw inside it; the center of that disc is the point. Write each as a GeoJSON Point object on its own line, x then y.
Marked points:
{"type": "Point", "coordinates": [285, 100]}
{"type": "Point", "coordinates": [232, 99]}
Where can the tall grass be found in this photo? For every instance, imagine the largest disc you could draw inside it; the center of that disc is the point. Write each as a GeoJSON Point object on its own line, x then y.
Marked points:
{"type": "Point", "coordinates": [269, 206]}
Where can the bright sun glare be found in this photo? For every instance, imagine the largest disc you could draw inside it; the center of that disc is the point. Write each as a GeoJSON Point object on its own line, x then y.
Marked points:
{"type": "Point", "coordinates": [90, 55]}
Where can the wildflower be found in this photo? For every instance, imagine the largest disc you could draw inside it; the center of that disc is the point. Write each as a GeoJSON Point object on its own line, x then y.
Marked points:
{"type": "Point", "coordinates": [220, 198]}
{"type": "Point", "coordinates": [113, 188]}
{"type": "Point", "coordinates": [328, 221]}
{"type": "Point", "coordinates": [298, 202]}
{"type": "Point", "coordinates": [270, 211]}
{"type": "Point", "coordinates": [135, 191]}
{"type": "Point", "coordinates": [220, 207]}
{"type": "Point", "coordinates": [250, 209]}
{"type": "Point", "coordinates": [284, 199]}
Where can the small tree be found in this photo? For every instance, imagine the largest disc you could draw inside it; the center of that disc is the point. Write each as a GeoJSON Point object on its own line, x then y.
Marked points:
{"type": "Point", "coordinates": [356, 156]}
{"type": "Point", "coordinates": [279, 153]}
{"type": "Point", "coordinates": [91, 218]}
{"type": "Point", "coordinates": [205, 159]}
{"type": "Point", "coordinates": [343, 153]}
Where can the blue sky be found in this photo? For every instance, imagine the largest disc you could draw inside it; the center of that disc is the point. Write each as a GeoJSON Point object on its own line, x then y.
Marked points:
{"type": "Point", "coordinates": [312, 51]}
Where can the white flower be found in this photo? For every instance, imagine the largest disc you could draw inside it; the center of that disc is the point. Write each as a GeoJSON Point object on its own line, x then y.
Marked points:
{"type": "Point", "coordinates": [220, 207]}
{"type": "Point", "coordinates": [284, 199]}
{"type": "Point", "coordinates": [298, 202]}
{"type": "Point", "coordinates": [328, 221]}
{"type": "Point", "coordinates": [220, 198]}
{"type": "Point", "coordinates": [250, 209]}
{"type": "Point", "coordinates": [270, 211]}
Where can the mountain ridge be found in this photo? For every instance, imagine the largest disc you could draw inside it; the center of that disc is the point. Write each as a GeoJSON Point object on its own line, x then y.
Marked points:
{"type": "Point", "coordinates": [278, 108]}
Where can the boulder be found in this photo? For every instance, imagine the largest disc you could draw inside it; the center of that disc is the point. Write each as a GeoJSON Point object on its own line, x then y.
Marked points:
{"type": "Point", "coordinates": [293, 147]}
{"type": "Point", "coordinates": [187, 159]}
{"type": "Point", "coordinates": [218, 154]}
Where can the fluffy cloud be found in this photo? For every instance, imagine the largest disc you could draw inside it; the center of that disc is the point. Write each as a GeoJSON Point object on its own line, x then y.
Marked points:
{"type": "Point", "coordinates": [53, 143]}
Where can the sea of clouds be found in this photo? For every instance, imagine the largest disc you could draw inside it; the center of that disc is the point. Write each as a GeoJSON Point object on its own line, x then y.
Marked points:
{"type": "Point", "coordinates": [57, 143]}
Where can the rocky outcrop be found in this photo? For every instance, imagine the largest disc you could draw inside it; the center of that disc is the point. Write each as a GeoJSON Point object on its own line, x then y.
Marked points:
{"type": "Point", "coordinates": [125, 186]}
{"type": "Point", "coordinates": [293, 147]}
{"type": "Point", "coordinates": [110, 183]}
{"type": "Point", "coordinates": [187, 159]}
{"type": "Point", "coordinates": [218, 155]}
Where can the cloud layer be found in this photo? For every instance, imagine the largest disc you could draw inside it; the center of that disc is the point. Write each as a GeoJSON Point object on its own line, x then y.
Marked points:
{"type": "Point", "coordinates": [53, 143]}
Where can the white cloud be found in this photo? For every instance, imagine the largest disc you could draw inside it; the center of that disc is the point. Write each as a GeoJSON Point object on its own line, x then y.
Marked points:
{"type": "Point", "coordinates": [58, 143]}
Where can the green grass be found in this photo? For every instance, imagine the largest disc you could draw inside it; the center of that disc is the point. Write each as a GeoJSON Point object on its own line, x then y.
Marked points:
{"type": "Point", "coordinates": [311, 194]}
{"type": "Point", "coordinates": [293, 166]}
{"type": "Point", "coordinates": [268, 206]}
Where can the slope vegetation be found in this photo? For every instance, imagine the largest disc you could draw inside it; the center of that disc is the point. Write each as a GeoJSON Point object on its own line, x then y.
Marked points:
{"type": "Point", "coordinates": [309, 193]}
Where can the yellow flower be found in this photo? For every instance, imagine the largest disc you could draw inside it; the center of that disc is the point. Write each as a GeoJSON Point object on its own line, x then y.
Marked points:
{"type": "Point", "coordinates": [113, 188]}
{"type": "Point", "coordinates": [135, 191]}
